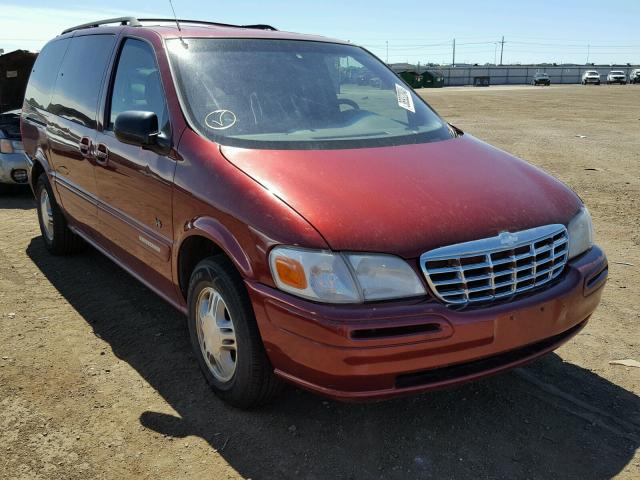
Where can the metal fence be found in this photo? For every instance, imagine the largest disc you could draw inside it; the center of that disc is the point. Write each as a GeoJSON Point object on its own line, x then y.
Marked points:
{"type": "Point", "coordinates": [521, 74]}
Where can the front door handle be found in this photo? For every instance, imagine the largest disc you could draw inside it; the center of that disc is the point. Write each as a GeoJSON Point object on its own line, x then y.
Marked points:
{"type": "Point", "coordinates": [85, 146]}
{"type": "Point", "coordinates": [102, 154]}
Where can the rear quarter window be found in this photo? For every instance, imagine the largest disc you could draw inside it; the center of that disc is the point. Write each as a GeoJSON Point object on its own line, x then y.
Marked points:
{"type": "Point", "coordinates": [44, 74]}
{"type": "Point", "coordinates": [81, 77]}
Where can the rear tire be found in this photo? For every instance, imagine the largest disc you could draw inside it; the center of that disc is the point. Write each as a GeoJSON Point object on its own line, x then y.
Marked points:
{"type": "Point", "coordinates": [225, 338]}
{"type": "Point", "coordinates": [57, 237]}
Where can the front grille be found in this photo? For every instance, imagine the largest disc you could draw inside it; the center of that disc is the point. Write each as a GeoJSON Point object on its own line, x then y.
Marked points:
{"type": "Point", "coordinates": [497, 267]}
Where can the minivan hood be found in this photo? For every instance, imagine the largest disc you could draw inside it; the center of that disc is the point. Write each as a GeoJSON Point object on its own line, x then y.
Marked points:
{"type": "Point", "coordinates": [408, 199]}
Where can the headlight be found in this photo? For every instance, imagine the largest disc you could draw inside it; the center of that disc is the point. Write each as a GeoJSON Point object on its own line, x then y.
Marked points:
{"type": "Point", "coordinates": [10, 146]}
{"type": "Point", "coordinates": [342, 278]}
{"type": "Point", "coordinates": [580, 233]}
{"type": "Point", "coordinates": [6, 146]}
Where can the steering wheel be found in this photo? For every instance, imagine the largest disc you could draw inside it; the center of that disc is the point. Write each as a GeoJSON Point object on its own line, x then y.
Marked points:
{"type": "Point", "coordinates": [351, 103]}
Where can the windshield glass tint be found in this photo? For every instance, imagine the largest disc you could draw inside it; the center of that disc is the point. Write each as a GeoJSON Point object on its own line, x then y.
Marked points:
{"type": "Point", "coordinates": [297, 94]}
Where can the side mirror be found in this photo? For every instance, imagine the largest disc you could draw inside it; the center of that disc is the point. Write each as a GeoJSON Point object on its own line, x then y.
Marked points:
{"type": "Point", "coordinates": [138, 128]}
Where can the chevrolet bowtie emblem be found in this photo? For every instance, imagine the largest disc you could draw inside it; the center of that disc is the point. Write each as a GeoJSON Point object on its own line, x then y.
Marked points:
{"type": "Point", "coordinates": [507, 238]}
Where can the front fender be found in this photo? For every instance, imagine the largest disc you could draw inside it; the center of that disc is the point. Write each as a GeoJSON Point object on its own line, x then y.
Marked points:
{"type": "Point", "coordinates": [215, 231]}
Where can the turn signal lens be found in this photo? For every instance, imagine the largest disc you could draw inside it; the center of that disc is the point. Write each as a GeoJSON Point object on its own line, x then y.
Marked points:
{"type": "Point", "coordinates": [318, 275]}
{"type": "Point", "coordinates": [291, 272]}
{"type": "Point", "coordinates": [6, 146]}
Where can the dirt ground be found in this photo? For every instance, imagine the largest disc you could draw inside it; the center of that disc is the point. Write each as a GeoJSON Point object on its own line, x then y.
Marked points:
{"type": "Point", "coordinates": [97, 379]}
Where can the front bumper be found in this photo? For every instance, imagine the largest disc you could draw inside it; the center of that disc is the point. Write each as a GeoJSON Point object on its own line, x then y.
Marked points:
{"type": "Point", "coordinates": [591, 80]}
{"type": "Point", "coordinates": [10, 165]}
{"type": "Point", "coordinates": [384, 350]}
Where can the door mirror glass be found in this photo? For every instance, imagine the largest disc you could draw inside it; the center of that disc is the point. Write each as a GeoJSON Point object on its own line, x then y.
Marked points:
{"type": "Point", "coordinates": [137, 128]}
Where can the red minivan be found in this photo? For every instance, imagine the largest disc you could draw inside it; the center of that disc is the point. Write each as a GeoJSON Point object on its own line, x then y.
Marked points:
{"type": "Point", "coordinates": [312, 216]}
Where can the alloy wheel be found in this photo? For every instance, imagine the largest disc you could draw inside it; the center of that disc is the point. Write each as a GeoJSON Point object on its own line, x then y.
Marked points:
{"type": "Point", "coordinates": [216, 334]}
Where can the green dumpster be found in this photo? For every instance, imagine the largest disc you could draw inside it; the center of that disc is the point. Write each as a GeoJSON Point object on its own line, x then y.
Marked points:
{"type": "Point", "coordinates": [432, 79]}
{"type": "Point", "coordinates": [412, 77]}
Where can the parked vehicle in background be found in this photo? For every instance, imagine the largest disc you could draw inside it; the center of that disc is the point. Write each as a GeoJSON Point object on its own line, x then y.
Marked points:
{"type": "Point", "coordinates": [541, 78]}
{"type": "Point", "coordinates": [214, 178]}
{"type": "Point", "coordinates": [15, 68]}
{"type": "Point", "coordinates": [617, 76]}
{"type": "Point", "coordinates": [13, 161]}
{"type": "Point", "coordinates": [591, 76]}
{"type": "Point", "coordinates": [634, 76]}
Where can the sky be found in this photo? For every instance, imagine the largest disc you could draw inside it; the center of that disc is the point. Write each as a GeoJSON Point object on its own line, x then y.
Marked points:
{"type": "Point", "coordinates": [561, 31]}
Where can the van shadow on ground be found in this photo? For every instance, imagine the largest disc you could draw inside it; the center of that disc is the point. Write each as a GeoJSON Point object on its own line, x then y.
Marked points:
{"type": "Point", "coordinates": [549, 420]}
{"type": "Point", "coordinates": [16, 197]}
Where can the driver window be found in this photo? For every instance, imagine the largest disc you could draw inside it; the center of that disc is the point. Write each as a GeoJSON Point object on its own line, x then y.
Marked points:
{"type": "Point", "coordinates": [137, 84]}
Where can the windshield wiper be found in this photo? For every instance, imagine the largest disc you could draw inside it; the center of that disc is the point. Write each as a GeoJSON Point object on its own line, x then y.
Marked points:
{"type": "Point", "coordinates": [358, 135]}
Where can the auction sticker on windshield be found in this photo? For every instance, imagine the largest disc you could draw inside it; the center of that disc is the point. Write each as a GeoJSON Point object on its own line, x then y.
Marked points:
{"type": "Point", "coordinates": [404, 98]}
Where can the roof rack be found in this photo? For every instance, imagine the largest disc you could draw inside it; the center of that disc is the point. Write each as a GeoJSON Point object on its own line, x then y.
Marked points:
{"type": "Point", "coordinates": [135, 22]}
{"type": "Point", "coordinates": [259, 26]}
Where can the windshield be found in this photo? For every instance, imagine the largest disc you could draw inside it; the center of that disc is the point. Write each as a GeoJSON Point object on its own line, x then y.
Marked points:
{"type": "Point", "coordinates": [293, 94]}
{"type": "Point", "coordinates": [617, 72]}
{"type": "Point", "coordinates": [592, 73]}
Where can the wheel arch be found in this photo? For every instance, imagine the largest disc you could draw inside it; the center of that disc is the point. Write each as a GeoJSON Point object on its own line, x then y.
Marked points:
{"type": "Point", "coordinates": [206, 237]}
{"type": "Point", "coordinates": [39, 165]}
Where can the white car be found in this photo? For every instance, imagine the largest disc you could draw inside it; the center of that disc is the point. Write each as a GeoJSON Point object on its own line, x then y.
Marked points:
{"type": "Point", "coordinates": [591, 76]}
{"type": "Point", "coordinates": [634, 76]}
{"type": "Point", "coordinates": [617, 76]}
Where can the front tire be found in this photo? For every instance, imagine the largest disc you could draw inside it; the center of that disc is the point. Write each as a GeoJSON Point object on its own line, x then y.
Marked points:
{"type": "Point", "coordinates": [57, 237]}
{"type": "Point", "coordinates": [225, 338]}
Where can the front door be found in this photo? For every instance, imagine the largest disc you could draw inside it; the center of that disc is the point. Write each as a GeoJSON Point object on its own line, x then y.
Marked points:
{"type": "Point", "coordinates": [135, 184]}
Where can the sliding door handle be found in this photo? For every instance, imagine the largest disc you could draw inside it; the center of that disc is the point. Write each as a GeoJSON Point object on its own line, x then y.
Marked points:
{"type": "Point", "coordinates": [85, 146]}
{"type": "Point", "coordinates": [102, 154]}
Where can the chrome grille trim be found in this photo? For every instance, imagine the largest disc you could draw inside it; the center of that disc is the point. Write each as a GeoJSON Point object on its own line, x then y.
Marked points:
{"type": "Point", "coordinates": [496, 268]}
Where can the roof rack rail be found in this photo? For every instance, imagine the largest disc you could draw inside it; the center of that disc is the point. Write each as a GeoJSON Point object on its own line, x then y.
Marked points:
{"type": "Point", "coordinates": [203, 22]}
{"type": "Point", "coordinates": [133, 21]}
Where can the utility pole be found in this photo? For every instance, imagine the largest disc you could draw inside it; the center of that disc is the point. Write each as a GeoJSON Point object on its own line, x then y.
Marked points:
{"type": "Point", "coordinates": [453, 61]}
{"type": "Point", "coordinates": [501, 49]}
{"type": "Point", "coordinates": [387, 51]}
{"type": "Point", "coordinates": [588, 51]}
